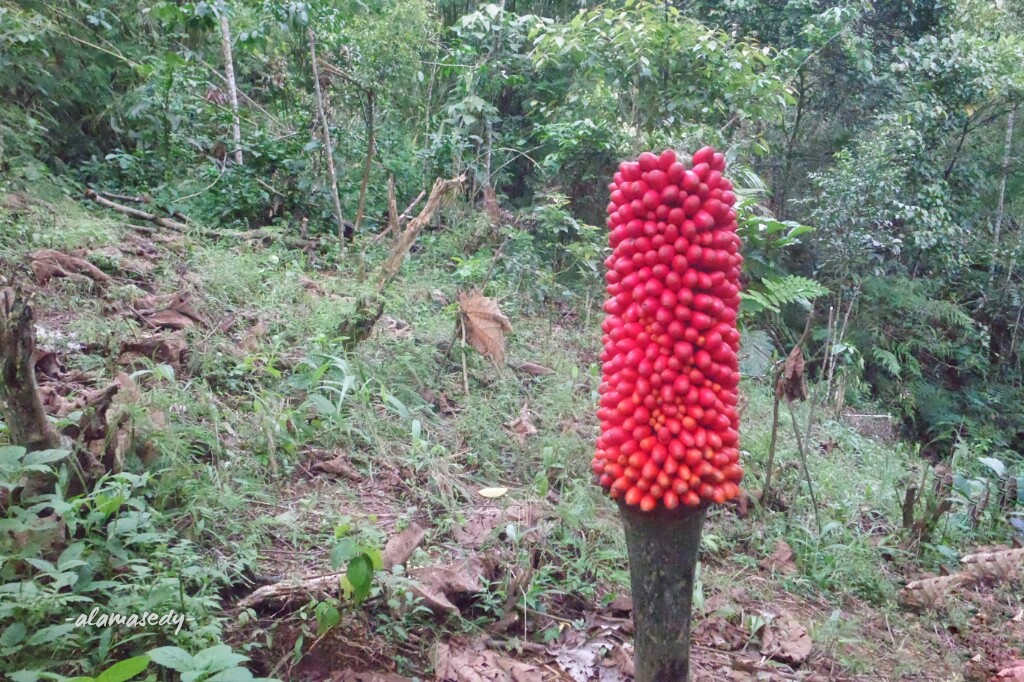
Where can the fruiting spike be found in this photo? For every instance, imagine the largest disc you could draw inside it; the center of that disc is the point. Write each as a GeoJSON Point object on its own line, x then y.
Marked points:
{"type": "Point", "coordinates": [670, 375]}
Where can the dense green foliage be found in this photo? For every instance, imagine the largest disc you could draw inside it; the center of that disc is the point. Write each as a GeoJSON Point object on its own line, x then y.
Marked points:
{"type": "Point", "coordinates": [874, 151]}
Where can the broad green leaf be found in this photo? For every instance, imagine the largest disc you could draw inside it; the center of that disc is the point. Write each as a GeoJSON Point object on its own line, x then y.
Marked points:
{"type": "Point", "coordinates": [50, 634]}
{"type": "Point", "coordinates": [45, 456]}
{"type": "Point", "coordinates": [360, 575]}
{"type": "Point", "coordinates": [342, 552]}
{"type": "Point", "coordinates": [994, 464]}
{"type": "Point", "coordinates": [125, 670]}
{"type": "Point", "coordinates": [172, 657]}
{"type": "Point", "coordinates": [13, 635]}
{"type": "Point", "coordinates": [217, 657]}
{"type": "Point", "coordinates": [232, 675]}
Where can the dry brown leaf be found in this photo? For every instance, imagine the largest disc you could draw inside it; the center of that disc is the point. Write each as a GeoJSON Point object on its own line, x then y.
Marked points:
{"type": "Point", "coordinates": [787, 641]}
{"type": "Point", "coordinates": [47, 264]}
{"type": "Point", "coordinates": [485, 325]}
{"type": "Point", "coordinates": [791, 384]}
{"type": "Point", "coordinates": [121, 262]}
{"type": "Point", "coordinates": [400, 547]}
{"type": "Point", "coordinates": [353, 676]}
{"type": "Point", "coordinates": [780, 560]}
{"type": "Point", "coordinates": [1013, 673]}
{"type": "Point", "coordinates": [311, 286]}
{"type": "Point", "coordinates": [535, 370]}
{"type": "Point", "coordinates": [171, 319]}
{"type": "Point", "coordinates": [338, 466]}
{"type": "Point", "coordinates": [522, 427]}
{"type": "Point", "coordinates": [438, 585]}
{"type": "Point", "coordinates": [484, 520]}
{"type": "Point", "coordinates": [168, 349]}
{"type": "Point", "coordinates": [459, 661]}
{"type": "Point", "coordinates": [255, 336]}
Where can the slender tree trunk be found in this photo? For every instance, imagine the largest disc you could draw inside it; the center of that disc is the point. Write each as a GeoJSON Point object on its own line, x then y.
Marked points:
{"type": "Point", "coordinates": [326, 132]}
{"type": "Point", "coordinates": [1001, 206]}
{"type": "Point", "coordinates": [229, 74]}
{"type": "Point", "coordinates": [371, 143]}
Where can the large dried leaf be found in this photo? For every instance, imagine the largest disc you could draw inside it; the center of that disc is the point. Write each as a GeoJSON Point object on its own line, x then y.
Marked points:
{"type": "Point", "coordinates": [485, 325]}
{"type": "Point", "coordinates": [400, 547]}
{"type": "Point", "coordinates": [791, 384]}
{"type": "Point", "coordinates": [787, 641]}
{"type": "Point", "coordinates": [483, 521]}
{"type": "Point", "coordinates": [338, 466]}
{"type": "Point", "coordinates": [437, 586]}
{"type": "Point", "coordinates": [473, 662]}
{"type": "Point", "coordinates": [47, 264]}
{"type": "Point", "coordinates": [522, 427]}
{"type": "Point", "coordinates": [168, 349]}
{"type": "Point", "coordinates": [1013, 673]}
{"type": "Point", "coordinates": [349, 675]}
{"type": "Point", "coordinates": [781, 559]}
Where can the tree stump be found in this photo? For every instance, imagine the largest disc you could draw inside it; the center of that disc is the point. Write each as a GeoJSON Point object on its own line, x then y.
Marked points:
{"type": "Point", "coordinates": [663, 546]}
{"type": "Point", "coordinates": [27, 423]}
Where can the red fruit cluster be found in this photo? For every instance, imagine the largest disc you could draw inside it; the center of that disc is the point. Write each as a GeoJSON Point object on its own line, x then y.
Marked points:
{"type": "Point", "coordinates": [669, 428]}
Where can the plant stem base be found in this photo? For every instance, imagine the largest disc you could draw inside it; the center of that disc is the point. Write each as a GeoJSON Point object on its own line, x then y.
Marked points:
{"type": "Point", "coordinates": [663, 547]}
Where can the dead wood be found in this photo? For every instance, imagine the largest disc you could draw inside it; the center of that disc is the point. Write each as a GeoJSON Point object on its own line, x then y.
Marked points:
{"type": "Point", "coordinates": [23, 410]}
{"type": "Point", "coordinates": [136, 213]}
{"type": "Point", "coordinates": [368, 309]}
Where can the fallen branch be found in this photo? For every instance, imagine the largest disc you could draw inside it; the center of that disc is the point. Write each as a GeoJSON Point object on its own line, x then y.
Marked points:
{"type": "Point", "coordinates": [136, 213]}
{"type": "Point", "coordinates": [284, 592]}
{"type": "Point", "coordinates": [142, 199]}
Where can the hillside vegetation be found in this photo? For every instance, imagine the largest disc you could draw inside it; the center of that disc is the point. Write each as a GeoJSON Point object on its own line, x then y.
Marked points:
{"type": "Point", "coordinates": [315, 291]}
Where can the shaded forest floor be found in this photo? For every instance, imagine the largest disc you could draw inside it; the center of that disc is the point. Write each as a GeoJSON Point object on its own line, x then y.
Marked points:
{"type": "Point", "coordinates": [278, 456]}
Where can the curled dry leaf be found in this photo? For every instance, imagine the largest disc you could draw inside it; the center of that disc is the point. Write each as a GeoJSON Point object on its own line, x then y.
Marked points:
{"type": "Point", "coordinates": [791, 384]}
{"type": "Point", "coordinates": [522, 427]}
{"type": "Point", "coordinates": [535, 370]}
{"type": "Point", "coordinates": [787, 641]}
{"type": "Point", "coordinates": [437, 586]}
{"type": "Point", "coordinates": [48, 263]}
{"type": "Point", "coordinates": [169, 349]}
{"type": "Point", "coordinates": [338, 466]}
{"type": "Point", "coordinates": [461, 661]}
{"type": "Point", "coordinates": [1013, 673]}
{"type": "Point", "coordinates": [485, 325]}
{"type": "Point", "coordinates": [400, 547]}
{"type": "Point", "coordinates": [781, 559]}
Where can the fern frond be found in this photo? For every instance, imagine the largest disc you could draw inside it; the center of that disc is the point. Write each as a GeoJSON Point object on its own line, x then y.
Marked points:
{"type": "Point", "coordinates": [780, 291]}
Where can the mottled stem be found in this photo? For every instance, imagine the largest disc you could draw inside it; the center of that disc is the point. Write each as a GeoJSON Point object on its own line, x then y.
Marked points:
{"type": "Point", "coordinates": [663, 547]}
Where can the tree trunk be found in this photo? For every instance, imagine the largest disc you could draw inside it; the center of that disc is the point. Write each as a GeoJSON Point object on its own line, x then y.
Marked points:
{"type": "Point", "coordinates": [27, 423]}
{"type": "Point", "coordinates": [326, 132]}
{"type": "Point", "coordinates": [663, 547]}
{"type": "Point", "coordinates": [371, 143]}
{"type": "Point", "coordinates": [1000, 207]}
{"type": "Point", "coordinates": [229, 74]}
